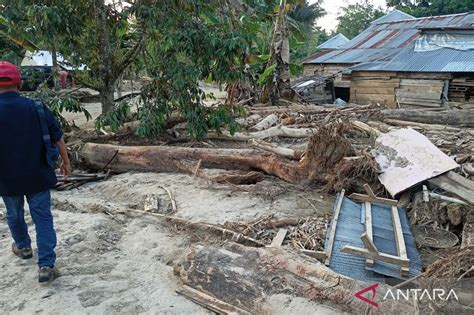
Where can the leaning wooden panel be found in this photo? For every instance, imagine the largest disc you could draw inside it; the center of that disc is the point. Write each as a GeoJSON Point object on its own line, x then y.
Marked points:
{"type": "Point", "coordinates": [399, 239]}
{"type": "Point", "coordinates": [363, 252]}
{"type": "Point", "coordinates": [368, 228]}
{"type": "Point", "coordinates": [334, 226]}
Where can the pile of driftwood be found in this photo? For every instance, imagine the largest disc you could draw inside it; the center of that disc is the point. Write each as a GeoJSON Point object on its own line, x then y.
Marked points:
{"type": "Point", "coordinates": [78, 179]}
{"type": "Point", "coordinates": [301, 233]}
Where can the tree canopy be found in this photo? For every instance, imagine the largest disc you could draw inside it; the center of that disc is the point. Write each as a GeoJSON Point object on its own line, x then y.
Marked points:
{"type": "Point", "coordinates": [175, 44]}
{"type": "Point", "coordinates": [422, 8]}
{"type": "Point", "coordinates": [356, 18]}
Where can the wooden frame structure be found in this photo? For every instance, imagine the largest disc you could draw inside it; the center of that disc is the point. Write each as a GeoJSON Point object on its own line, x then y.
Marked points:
{"type": "Point", "coordinates": [371, 252]}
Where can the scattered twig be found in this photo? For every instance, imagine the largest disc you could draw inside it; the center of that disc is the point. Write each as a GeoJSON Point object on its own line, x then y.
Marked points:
{"type": "Point", "coordinates": [173, 201]}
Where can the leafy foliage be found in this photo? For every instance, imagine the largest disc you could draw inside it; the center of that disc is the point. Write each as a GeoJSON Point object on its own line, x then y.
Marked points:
{"type": "Point", "coordinates": [356, 18]}
{"type": "Point", "coordinates": [59, 103]}
{"type": "Point", "coordinates": [175, 44]}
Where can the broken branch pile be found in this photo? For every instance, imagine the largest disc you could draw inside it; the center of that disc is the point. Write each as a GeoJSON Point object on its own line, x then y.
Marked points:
{"type": "Point", "coordinates": [303, 233]}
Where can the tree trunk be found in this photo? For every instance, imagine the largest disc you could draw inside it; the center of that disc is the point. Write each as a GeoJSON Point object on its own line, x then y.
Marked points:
{"type": "Point", "coordinates": [177, 159]}
{"type": "Point", "coordinates": [107, 98]}
{"type": "Point", "coordinates": [280, 54]}
{"type": "Point", "coordinates": [247, 278]}
{"type": "Point", "coordinates": [449, 117]}
{"type": "Point", "coordinates": [105, 62]}
{"type": "Point", "coordinates": [55, 70]}
{"type": "Point", "coordinates": [323, 162]}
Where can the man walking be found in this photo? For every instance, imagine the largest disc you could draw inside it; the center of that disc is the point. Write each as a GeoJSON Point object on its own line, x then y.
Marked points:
{"type": "Point", "coordinates": [25, 171]}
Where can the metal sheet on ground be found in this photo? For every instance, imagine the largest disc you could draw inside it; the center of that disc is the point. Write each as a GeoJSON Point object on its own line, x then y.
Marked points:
{"type": "Point", "coordinates": [406, 158]}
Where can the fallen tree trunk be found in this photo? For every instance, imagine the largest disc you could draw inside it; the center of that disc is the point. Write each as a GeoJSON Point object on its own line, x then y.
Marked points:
{"type": "Point", "coordinates": [177, 159]}
{"type": "Point", "coordinates": [276, 131]}
{"type": "Point", "coordinates": [449, 117]}
{"type": "Point", "coordinates": [291, 154]}
{"type": "Point", "coordinates": [266, 123]}
{"type": "Point", "coordinates": [247, 278]}
{"type": "Point", "coordinates": [324, 161]}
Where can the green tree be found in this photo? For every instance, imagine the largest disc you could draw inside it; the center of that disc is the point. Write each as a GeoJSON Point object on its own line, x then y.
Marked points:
{"type": "Point", "coordinates": [421, 8]}
{"type": "Point", "coordinates": [357, 18]}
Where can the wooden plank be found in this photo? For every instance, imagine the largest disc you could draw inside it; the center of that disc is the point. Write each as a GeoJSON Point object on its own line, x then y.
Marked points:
{"type": "Point", "coordinates": [419, 95]}
{"type": "Point", "coordinates": [377, 84]}
{"type": "Point", "coordinates": [363, 252]}
{"type": "Point", "coordinates": [399, 239]}
{"type": "Point", "coordinates": [376, 97]}
{"type": "Point", "coordinates": [425, 76]}
{"type": "Point", "coordinates": [373, 74]}
{"type": "Point", "coordinates": [209, 302]}
{"type": "Point", "coordinates": [369, 244]}
{"type": "Point", "coordinates": [319, 255]}
{"type": "Point", "coordinates": [364, 198]}
{"type": "Point", "coordinates": [418, 103]}
{"type": "Point", "coordinates": [332, 233]}
{"type": "Point", "coordinates": [469, 184]}
{"type": "Point", "coordinates": [417, 89]}
{"type": "Point", "coordinates": [279, 238]}
{"type": "Point", "coordinates": [453, 187]}
{"type": "Point", "coordinates": [421, 82]}
{"type": "Point", "coordinates": [342, 84]}
{"type": "Point", "coordinates": [374, 90]}
{"type": "Point", "coordinates": [368, 228]}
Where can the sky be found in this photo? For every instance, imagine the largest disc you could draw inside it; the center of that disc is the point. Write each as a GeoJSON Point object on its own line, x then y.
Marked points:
{"type": "Point", "coordinates": [333, 9]}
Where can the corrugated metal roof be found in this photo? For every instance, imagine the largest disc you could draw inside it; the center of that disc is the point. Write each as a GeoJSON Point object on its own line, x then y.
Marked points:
{"type": "Point", "coordinates": [351, 224]}
{"type": "Point", "coordinates": [441, 60]}
{"type": "Point", "coordinates": [394, 15]}
{"type": "Point", "coordinates": [389, 36]}
{"type": "Point", "coordinates": [334, 42]}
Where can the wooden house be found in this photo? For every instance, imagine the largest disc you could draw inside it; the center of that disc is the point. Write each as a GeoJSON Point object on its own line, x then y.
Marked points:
{"type": "Point", "coordinates": [402, 61]}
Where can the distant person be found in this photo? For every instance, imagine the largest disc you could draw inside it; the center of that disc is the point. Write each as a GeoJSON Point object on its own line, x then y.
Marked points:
{"type": "Point", "coordinates": [26, 170]}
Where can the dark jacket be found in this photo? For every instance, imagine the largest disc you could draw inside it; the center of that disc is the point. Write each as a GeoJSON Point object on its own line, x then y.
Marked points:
{"type": "Point", "coordinates": [23, 166]}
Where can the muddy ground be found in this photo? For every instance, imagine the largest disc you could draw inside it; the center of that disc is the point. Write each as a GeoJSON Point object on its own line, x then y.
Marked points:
{"type": "Point", "coordinates": [113, 261]}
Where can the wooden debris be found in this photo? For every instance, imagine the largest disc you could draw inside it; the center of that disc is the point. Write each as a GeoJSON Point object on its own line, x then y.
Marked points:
{"type": "Point", "coordinates": [455, 184]}
{"type": "Point", "coordinates": [366, 128]}
{"type": "Point", "coordinates": [234, 236]}
{"type": "Point", "coordinates": [324, 156]}
{"type": "Point", "coordinates": [319, 255]}
{"type": "Point", "coordinates": [209, 302]}
{"type": "Point", "coordinates": [279, 238]}
{"type": "Point", "coordinates": [332, 233]}
{"type": "Point", "coordinates": [468, 231]}
{"type": "Point", "coordinates": [174, 208]}
{"type": "Point", "coordinates": [281, 151]}
{"type": "Point", "coordinates": [77, 180]}
{"type": "Point", "coordinates": [276, 131]}
{"type": "Point", "coordinates": [247, 277]}
{"type": "Point", "coordinates": [371, 197]}
{"type": "Point", "coordinates": [266, 123]}
{"type": "Point", "coordinates": [399, 239]}
{"type": "Point", "coordinates": [448, 117]}
{"type": "Point", "coordinates": [363, 252]}
{"type": "Point", "coordinates": [368, 228]}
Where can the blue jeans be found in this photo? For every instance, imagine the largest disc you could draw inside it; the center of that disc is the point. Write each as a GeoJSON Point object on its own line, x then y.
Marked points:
{"type": "Point", "coordinates": [40, 210]}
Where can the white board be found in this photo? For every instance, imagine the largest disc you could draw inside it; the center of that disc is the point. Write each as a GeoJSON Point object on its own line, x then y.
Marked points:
{"type": "Point", "coordinates": [406, 158]}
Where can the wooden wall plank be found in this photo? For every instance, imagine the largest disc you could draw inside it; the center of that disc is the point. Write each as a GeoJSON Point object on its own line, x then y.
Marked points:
{"type": "Point", "coordinates": [374, 90]}
{"type": "Point", "coordinates": [418, 95]}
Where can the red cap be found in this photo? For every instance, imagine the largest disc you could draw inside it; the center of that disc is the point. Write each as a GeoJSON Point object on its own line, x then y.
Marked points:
{"type": "Point", "coordinates": [9, 71]}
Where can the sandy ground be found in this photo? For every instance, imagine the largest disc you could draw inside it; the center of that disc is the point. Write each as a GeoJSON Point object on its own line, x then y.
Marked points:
{"type": "Point", "coordinates": [113, 263]}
